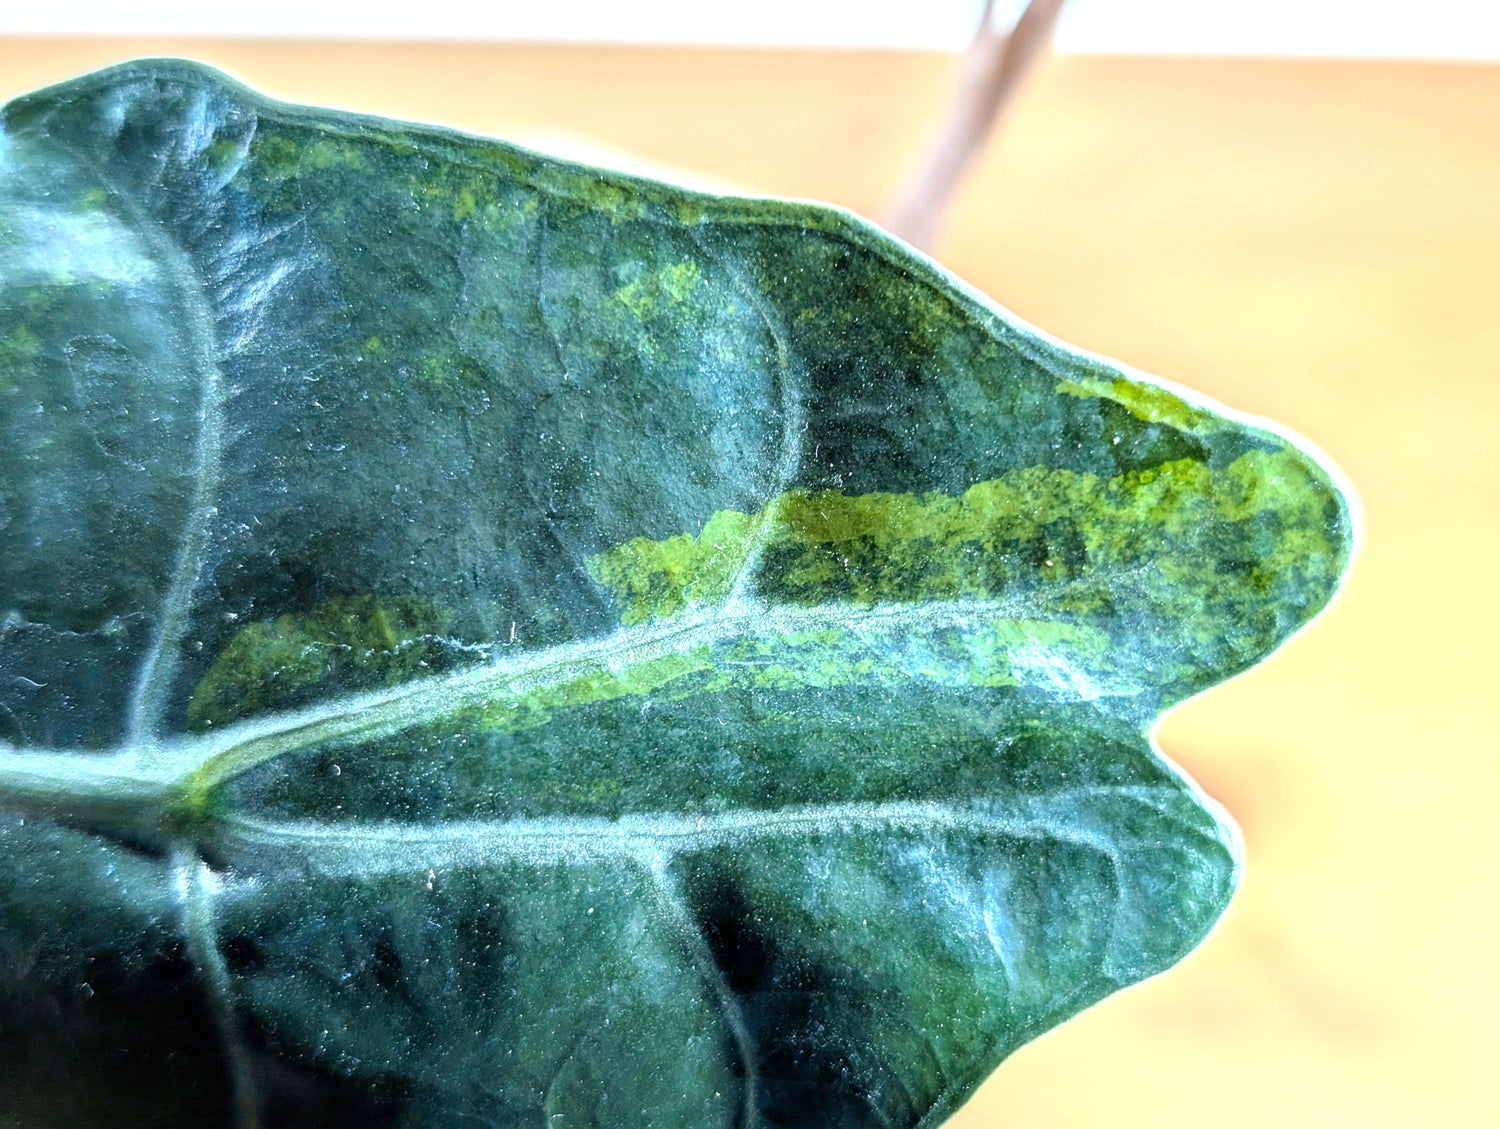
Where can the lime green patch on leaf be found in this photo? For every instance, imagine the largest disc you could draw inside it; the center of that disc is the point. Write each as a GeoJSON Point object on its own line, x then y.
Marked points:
{"type": "Point", "coordinates": [1145, 401]}
{"type": "Point", "coordinates": [655, 294]}
{"type": "Point", "coordinates": [980, 650]}
{"type": "Point", "coordinates": [1160, 549]}
{"type": "Point", "coordinates": [18, 348]}
{"type": "Point", "coordinates": [346, 643]}
{"type": "Point", "coordinates": [660, 579]}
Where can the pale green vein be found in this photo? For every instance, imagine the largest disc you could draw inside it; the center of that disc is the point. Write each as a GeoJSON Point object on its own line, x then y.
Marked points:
{"type": "Point", "coordinates": [793, 425]}
{"type": "Point", "coordinates": [650, 837]}
{"type": "Point", "coordinates": [154, 676]}
{"type": "Point", "coordinates": [691, 933]}
{"type": "Point", "coordinates": [571, 674]}
{"type": "Point", "coordinates": [184, 772]}
{"type": "Point", "coordinates": [196, 887]}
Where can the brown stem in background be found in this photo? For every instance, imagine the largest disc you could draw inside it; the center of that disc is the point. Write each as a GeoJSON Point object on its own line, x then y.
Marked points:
{"type": "Point", "coordinates": [989, 75]}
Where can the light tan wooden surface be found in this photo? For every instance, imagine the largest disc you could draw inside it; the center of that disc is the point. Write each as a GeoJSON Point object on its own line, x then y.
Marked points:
{"type": "Point", "coordinates": [1316, 242]}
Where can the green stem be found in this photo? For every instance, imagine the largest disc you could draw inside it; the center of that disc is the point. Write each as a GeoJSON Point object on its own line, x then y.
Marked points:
{"type": "Point", "coordinates": [112, 789]}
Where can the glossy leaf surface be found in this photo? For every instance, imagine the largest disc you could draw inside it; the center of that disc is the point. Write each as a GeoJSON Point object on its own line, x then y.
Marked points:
{"type": "Point", "coordinates": [493, 642]}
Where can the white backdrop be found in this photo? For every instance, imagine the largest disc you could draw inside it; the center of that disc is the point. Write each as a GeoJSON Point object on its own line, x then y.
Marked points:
{"type": "Point", "coordinates": [1454, 29]}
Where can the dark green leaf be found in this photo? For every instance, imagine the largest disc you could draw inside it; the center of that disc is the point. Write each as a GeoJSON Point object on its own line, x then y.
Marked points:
{"type": "Point", "coordinates": [493, 642]}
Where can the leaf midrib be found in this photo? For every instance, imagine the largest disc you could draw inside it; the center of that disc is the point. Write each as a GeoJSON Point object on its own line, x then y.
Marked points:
{"type": "Point", "coordinates": [654, 837]}
{"type": "Point", "coordinates": [154, 675]}
{"type": "Point", "coordinates": [187, 770]}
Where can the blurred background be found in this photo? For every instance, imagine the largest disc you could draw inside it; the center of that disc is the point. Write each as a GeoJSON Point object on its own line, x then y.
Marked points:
{"type": "Point", "coordinates": [1289, 206]}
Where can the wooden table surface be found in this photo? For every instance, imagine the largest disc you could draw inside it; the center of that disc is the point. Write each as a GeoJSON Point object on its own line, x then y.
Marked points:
{"type": "Point", "coordinates": [1315, 242]}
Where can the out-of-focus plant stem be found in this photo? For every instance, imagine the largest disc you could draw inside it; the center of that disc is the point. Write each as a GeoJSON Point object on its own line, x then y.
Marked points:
{"type": "Point", "coordinates": [989, 75]}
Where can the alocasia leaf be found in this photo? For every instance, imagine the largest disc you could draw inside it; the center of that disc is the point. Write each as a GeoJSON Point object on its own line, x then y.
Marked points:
{"type": "Point", "coordinates": [494, 642]}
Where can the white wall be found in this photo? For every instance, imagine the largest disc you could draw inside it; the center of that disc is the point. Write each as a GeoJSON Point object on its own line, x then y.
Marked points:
{"type": "Point", "coordinates": [1461, 29]}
